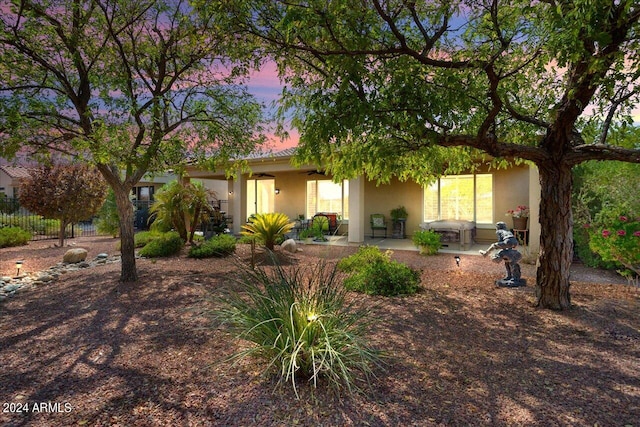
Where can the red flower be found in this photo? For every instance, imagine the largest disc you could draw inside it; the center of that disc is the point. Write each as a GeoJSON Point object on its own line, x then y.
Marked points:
{"type": "Point", "coordinates": [621, 232]}
{"type": "Point", "coordinates": [587, 225]}
{"type": "Point", "coordinates": [636, 233]}
{"type": "Point", "coordinates": [623, 218]}
{"type": "Point", "coordinates": [606, 233]}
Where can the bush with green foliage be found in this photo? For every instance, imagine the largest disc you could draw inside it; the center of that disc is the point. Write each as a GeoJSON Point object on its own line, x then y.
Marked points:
{"type": "Point", "coordinates": [600, 187]}
{"type": "Point", "coordinates": [428, 241]}
{"type": "Point", "coordinates": [299, 321]}
{"type": "Point", "coordinates": [141, 238]}
{"type": "Point", "coordinates": [268, 227]}
{"type": "Point", "coordinates": [615, 238]}
{"type": "Point", "coordinates": [35, 224]}
{"type": "Point", "coordinates": [375, 273]}
{"type": "Point", "coordinates": [166, 244]}
{"type": "Point", "coordinates": [218, 246]}
{"type": "Point", "coordinates": [13, 236]}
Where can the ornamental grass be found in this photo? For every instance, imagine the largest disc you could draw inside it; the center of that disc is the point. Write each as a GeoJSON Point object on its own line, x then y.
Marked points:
{"type": "Point", "coordinates": [300, 324]}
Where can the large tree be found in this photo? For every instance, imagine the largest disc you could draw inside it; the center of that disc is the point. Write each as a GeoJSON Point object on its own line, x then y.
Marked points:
{"type": "Point", "coordinates": [417, 89]}
{"type": "Point", "coordinates": [130, 86]}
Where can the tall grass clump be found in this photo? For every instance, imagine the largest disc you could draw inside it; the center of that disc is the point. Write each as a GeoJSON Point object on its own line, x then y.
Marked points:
{"type": "Point", "coordinates": [373, 272]}
{"type": "Point", "coordinates": [300, 323]}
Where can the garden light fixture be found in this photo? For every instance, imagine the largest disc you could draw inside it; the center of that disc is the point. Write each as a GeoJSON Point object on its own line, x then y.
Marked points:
{"type": "Point", "coordinates": [18, 267]}
{"type": "Point", "coordinates": [457, 258]}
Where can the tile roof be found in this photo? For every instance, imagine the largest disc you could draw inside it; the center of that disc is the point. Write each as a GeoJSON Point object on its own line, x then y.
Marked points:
{"type": "Point", "coordinates": [15, 171]}
{"type": "Point", "coordinates": [256, 155]}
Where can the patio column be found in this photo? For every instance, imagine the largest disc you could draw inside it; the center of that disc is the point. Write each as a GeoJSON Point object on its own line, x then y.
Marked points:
{"type": "Point", "coordinates": [237, 201]}
{"type": "Point", "coordinates": [356, 210]}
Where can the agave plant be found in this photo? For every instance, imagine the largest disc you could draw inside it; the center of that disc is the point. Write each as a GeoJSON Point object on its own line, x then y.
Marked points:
{"type": "Point", "coordinates": [268, 227]}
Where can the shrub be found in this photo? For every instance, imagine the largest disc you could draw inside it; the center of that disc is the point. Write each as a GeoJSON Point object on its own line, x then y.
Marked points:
{"type": "Point", "coordinates": [299, 321]}
{"type": "Point", "coordinates": [616, 238]}
{"type": "Point", "coordinates": [268, 227]}
{"type": "Point", "coordinates": [365, 255]}
{"type": "Point", "coordinates": [218, 246]}
{"type": "Point", "coordinates": [142, 238]}
{"type": "Point", "coordinates": [427, 241]}
{"type": "Point", "coordinates": [35, 224]}
{"type": "Point", "coordinates": [13, 236]}
{"type": "Point", "coordinates": [374, 273]}
{"type": "Point", "coordinates": [166, 244]}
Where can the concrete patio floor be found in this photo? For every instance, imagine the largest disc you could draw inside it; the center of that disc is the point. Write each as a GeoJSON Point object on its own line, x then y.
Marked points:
{"type": "Point", "coordinates": [400, 244]}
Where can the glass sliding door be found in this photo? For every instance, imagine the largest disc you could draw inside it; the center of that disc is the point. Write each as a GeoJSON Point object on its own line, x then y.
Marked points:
{"type": "Point", "coordinates": [260, 196]}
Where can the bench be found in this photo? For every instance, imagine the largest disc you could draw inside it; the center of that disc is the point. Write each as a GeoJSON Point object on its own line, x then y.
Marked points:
{"type": "Point", "coordinates": [453, 230]}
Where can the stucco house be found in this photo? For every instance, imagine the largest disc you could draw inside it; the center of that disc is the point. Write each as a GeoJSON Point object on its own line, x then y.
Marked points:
{"type": "Point", "coordinates": [10, 177]}
{"type": "Point", "coordinates": [475, 200]}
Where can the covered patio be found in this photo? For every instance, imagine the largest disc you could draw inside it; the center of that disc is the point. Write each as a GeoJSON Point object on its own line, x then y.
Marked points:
{"type": "Point", "coordinates": [400, 244]}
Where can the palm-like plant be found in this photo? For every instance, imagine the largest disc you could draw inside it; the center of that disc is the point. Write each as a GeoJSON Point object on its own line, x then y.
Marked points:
{"type": "Point", "coordinates": [268, 227]}
{"type": "Point", "coordinates": [182, 207]}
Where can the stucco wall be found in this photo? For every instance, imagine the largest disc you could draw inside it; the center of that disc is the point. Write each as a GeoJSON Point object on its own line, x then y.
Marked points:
{"type": "Point", "coordinates": [381, 199]}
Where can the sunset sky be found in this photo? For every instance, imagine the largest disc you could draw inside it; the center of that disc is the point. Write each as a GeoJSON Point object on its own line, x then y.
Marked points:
{"type": "Point", "coordinates": [266, 87]}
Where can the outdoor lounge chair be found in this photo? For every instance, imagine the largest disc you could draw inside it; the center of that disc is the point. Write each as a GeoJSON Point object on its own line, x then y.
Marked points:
{"type": "Point", "coordinates": [378, 222]}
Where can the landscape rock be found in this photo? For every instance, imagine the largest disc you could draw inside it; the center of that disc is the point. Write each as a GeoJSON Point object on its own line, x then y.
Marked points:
{"type": "Point", "coordinates": [289, 245]}
{"type": "Point", "coordinates": [10, 286]}
{"type": "Point", "coordinates": [75, 255]}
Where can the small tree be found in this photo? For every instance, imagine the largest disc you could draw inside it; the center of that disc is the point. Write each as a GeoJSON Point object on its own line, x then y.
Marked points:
{"type": "Point", "coordinates": [68, 193]}
{"type": "Point", "coordinates": [183, 207]}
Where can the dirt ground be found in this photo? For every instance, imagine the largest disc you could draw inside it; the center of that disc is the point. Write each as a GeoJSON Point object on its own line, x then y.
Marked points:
{"type": "Point", "coordinates": [88, 350]}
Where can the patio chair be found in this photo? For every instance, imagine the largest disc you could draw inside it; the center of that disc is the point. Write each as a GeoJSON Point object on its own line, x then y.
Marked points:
{"type": "Point", "coordinates": [378, 222]}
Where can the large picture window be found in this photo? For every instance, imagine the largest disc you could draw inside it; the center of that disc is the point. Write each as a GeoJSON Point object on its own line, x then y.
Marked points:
{"type": "Point", "coordinates": [327, 196]}
{"type": "Point", "coordinates": [466, 197]}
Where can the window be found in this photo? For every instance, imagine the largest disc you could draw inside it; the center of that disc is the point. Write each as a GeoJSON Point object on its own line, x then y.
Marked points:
{"type": "Point", "coordinates": [260, 196]}
{"type": "Point", "coordinates": [327, 196]}
{"type": "Point", "coordinates": [143, 194]}
{"type": "Point", "coordinates": [467, 197]}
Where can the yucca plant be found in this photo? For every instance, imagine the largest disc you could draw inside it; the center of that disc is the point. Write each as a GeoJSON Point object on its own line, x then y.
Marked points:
{"type": "Point", "coordinates": [299, 322]}
{"type": "Point", "coordinates": [268, 227]}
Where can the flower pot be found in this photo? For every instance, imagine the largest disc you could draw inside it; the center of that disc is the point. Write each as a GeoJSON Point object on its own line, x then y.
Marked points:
{"type": "Point", "coordinates": [520, 223]}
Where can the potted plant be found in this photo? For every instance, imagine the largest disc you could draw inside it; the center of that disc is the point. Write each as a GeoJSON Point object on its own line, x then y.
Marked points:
{"type": "Point", "coordinates": [427, 241]}
{"type": "Point", "coordinates": [400, 213]}
{"type": "Point", "coordinates": [399, 218]}
{"type": "Point", "coordinates": [520, 217]}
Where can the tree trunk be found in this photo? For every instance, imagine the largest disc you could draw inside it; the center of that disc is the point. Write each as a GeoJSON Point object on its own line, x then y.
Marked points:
{"type": "Point", "coordinates": [62, 232]}
{"type": "Point", "coordinates": [128, 272]}
{"type": "Point", "coordinates": [556, 236]}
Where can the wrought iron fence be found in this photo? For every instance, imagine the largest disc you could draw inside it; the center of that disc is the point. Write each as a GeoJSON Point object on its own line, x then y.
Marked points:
{"type": "Point", "coordinates": [41, 228]}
